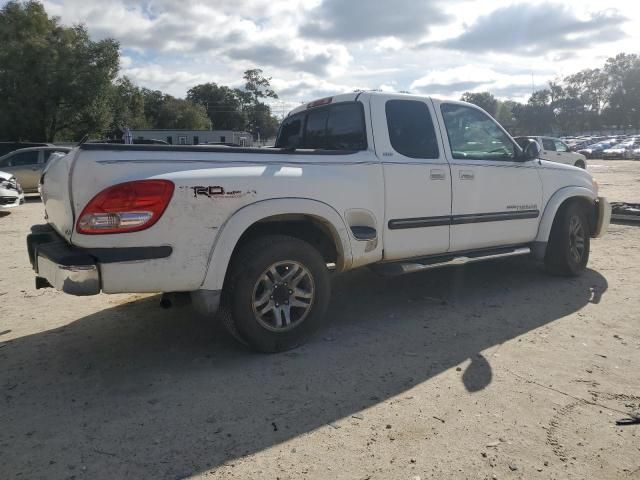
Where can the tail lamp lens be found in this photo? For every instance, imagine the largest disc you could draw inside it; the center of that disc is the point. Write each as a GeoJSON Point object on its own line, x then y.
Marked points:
{"type": "Point", "coordinates": [126, 207]}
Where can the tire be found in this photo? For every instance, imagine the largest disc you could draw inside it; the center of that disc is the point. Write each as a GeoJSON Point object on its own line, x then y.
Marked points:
{"type": "Point", "coordinates": [580, 164]}
{"type": "Point", "coordinates": [277, 293]}
{"type": "Point", "coordinates": [564, 255]}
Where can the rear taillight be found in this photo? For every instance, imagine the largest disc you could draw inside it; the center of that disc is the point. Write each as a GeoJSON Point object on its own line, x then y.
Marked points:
{"type": "Point", "coordinates": [126, 207]}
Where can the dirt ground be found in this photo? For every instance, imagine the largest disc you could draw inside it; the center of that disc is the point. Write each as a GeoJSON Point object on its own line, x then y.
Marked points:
{"type": "Point", "coordinates": [495, 370]}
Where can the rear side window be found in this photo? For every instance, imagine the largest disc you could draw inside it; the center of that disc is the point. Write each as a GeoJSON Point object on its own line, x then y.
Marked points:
{"type": "Point", "coordinates": [411, 129]}
{"type": "Point", "coordinates": [334, 127]}
{"type": "Point", "coordinates": [24, 158]}
{"type": "Point", "coordinates": [548, 144]}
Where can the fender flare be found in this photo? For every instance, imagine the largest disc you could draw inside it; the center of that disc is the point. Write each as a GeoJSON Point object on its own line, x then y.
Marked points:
{"type": "Point", "coordinates": [550, 210]}
{"type": "Point", "coordinates": [235, 226]}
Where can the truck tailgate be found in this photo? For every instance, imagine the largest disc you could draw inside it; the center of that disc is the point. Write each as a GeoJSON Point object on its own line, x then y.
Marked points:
{"type": "Point", "coordinates": [56, 193]}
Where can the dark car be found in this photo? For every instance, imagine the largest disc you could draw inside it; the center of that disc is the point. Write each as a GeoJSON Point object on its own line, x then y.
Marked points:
{"type": "Point", "coordinates": [595, 150]}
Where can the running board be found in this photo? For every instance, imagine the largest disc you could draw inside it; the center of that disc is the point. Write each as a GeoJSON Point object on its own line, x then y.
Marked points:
{"type": "Point", "coordinates": [461, 258]}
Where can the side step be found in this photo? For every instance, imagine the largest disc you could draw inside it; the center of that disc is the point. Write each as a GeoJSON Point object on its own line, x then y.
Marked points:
{"type": "Point", "coordinates": [456, 258]}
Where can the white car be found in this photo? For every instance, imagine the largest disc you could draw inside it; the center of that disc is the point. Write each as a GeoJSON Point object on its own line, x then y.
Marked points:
{"type": "Point", "coordinates": [555, 150]}
{"type": "Point", "coordinates": [11, 194]}
{"type": "Point", "coordinates": [401, 183]}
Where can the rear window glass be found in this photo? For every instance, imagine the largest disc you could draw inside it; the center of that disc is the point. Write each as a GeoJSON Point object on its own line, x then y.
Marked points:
{"type": "Point", "coordinates": [411, 129]}
{"type": "Point", "coordinates": [345, 128]}
{"type": "Point", "coordinates": [334, 127]}
{"type": "Point", "coordinates": [315, 133]}
{"type": "Point", "coordinates": [290, 132]}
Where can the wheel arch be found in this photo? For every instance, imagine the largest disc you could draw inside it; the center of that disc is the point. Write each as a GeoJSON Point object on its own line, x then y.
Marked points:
{"type": "Point", "coordinates": [309, 220]}
{"type": "Point", "coordinates": [560, 200]}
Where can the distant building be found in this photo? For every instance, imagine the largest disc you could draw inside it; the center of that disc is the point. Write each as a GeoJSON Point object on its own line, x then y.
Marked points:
{"type": "Point", "coordinates": [194, 137]}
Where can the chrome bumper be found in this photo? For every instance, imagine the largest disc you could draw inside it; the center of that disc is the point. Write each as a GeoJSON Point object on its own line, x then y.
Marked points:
{"type": "Point", "coordinates": [603, 219]}
{"type": "Point", "coordinates": [73, 279]}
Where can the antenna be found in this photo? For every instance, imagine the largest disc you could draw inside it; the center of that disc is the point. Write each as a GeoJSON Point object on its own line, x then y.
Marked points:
{"type": "Point", "coordinates": [533, 88]}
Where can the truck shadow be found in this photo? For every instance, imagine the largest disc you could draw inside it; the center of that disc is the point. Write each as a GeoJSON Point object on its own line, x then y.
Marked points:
{"type": "Point", "coordinates": [138, 392]}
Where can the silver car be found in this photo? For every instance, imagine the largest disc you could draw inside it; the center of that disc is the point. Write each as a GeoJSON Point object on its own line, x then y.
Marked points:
{"type": "Point", "coordinates": [27, 164]}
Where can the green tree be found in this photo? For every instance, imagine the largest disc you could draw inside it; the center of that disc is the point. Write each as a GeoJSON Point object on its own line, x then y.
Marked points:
{"type": "Point", "coordinates": [504, 114]}
{"type": "Point", "coordinates": [257, 85]}
{"type": "Point", "coordinates": [176, 113]}
{"type": "Point", "coordinates": [484, 100]}
{"type": "Point", "coordinates": [223, 105]}
{"type": "Point", "coordinates": [260, 121]}
{"type": "Point", "coordinates": [54, 81]}
{"type": "Point", "coordinates": [127, 106]}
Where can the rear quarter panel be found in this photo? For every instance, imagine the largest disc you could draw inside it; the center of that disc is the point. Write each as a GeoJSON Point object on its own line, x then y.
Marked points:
{"type": "Point", "coordinates": [211, 188]}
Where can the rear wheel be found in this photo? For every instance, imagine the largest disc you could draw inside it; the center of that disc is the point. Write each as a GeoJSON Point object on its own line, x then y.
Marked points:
{"type": "Point", "coordinates": [568, 248]}
{"type": "Point", "coordinates": [277, 294]}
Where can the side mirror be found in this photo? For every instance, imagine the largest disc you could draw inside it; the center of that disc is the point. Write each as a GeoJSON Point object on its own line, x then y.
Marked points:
{"type": "Point", "coordinates": [531, 150]}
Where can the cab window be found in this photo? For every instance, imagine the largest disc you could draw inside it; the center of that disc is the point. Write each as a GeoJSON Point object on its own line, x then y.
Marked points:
{"type": "Point", "coordinates": [473, 135]}
{"type": "Point", "coordinates": [411, 129]}
{"type": "Point", "coordinates": [560, 146]}
{"type": "Point", "coordinates": [24, 158]}
{"type": "Point", "coordinates": [333, 127]}
{"type": "Point", "coordinates": [548, 144]}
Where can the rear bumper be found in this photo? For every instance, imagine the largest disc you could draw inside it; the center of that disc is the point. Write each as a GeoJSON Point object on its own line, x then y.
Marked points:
{"type": "Point", "coordinates": [76, 270]}
{"type": "Point", "coordinates": [603, 217]}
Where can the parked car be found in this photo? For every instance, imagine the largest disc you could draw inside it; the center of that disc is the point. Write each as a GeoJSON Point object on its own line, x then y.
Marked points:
{"type": "Point", "coordinates": [7, 147]}
{"type": "Point", "coordinates": [622, 150]}
{"type": "Point", "coordinates": [400, 183]}
{"type": "Point", "coordinates": [555, 150]}
{"type": "Point", "coordinates": [27, 164]}
{"type": "Point", "coordinates": [595, 150]}
{"type": "Point", "coordinates": [11, 194]}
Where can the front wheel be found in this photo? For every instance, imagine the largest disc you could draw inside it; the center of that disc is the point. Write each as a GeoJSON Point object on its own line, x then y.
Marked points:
{"type": "Point", "coordinates": [278, 293]}
{"type": "Point", "coordinates": [569, 242]}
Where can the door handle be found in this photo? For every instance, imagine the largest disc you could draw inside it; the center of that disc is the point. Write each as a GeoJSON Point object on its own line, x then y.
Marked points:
{"type": "Point", "coordinates": [437, 174]}
{"type": "Point", "coordinates": [466, 175]}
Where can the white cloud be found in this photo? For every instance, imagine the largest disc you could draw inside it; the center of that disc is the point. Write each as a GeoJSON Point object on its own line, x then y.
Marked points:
{"type": "Point", "coordinates": [315, 48]}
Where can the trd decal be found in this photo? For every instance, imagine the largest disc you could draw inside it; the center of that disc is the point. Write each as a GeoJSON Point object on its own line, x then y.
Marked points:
{"type": "Point", "coordinates": [219, 192]}
{"type": "Point", "coordinates": [207, 191]}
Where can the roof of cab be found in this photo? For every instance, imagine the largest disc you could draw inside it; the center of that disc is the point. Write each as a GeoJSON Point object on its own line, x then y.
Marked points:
{"type": "Point", "coordinates": [350, 97]}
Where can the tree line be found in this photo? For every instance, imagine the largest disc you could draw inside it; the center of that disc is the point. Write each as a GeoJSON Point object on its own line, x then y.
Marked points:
{"type": "Point", "coordinates": [57, 84]}
{"type": "Point", "coordinates": [590, 100]}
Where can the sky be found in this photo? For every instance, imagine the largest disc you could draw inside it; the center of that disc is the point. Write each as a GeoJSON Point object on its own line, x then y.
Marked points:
{"type": "Point", "coordinates": [316, 48]}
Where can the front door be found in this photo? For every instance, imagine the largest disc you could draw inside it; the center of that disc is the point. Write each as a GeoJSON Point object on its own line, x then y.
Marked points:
{"type": "Point", "coordinates": [496, 196]}
{"type": "Point", "coordinates": [417, 177]}
{"type": "Point", "coordinates": [549, 151]}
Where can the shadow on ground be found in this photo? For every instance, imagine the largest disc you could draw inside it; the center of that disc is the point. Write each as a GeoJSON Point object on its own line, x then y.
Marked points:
{"type": "Point", "coordinates": [135, 391]}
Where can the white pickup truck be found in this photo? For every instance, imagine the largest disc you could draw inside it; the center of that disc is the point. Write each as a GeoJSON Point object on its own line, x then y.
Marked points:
{"type": "Point", "coordinates": [400, 182]}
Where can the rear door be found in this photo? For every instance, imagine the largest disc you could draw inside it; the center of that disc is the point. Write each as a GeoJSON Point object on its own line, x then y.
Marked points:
{"type": "Point", "coordinates": [416, 174]}
{"type": "Point", "coordinates": [25, 166]}
{"type": "Point", "coordinates": [496, 196]}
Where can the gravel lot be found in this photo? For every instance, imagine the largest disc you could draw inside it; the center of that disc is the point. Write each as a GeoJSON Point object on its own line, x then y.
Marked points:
{"type": "Point", "coordinates": [490, 371]}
